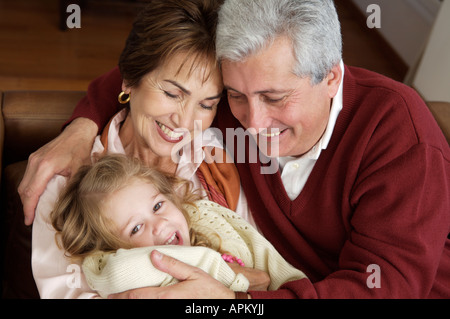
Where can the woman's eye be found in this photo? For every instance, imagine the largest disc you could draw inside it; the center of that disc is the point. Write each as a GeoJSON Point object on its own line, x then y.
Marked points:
{"type": "Point", "coordinates": [172, 96]}
{"type": "Point", "coordinates": [136, 229]}
{"type": "Point", "coordinates": [157, 207]}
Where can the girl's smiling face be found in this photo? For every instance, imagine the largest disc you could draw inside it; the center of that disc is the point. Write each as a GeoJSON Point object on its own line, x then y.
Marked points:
{"type": "Point", "coordinates": [144, 217]}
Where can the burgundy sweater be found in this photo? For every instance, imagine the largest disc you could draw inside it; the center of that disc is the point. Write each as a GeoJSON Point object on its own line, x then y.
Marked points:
{"type": "Point", "coordinates": [378, 195]}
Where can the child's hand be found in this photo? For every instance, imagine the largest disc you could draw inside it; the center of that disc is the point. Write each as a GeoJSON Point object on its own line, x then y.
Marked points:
{"type": "Point", "coordinates": [259, 280]}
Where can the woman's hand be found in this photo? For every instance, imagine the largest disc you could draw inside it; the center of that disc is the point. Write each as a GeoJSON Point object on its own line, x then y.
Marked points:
{"type": "Point", "coordinates": [194, 283]}
{"type": "Point", "coordinates": [63, 155]}
{"type": "Point", "coordinates": [259, 280]}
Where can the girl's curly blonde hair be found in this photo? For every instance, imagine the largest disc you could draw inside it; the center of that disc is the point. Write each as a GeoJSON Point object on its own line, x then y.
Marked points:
{"type": "Point", "coordinates": [81, 227]}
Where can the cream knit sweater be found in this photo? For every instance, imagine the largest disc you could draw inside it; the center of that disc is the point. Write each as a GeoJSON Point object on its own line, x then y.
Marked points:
{"type": "Point", "coordinates": [126, 269]}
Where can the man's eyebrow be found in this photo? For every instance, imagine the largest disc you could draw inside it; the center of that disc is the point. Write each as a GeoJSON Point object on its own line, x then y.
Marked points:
{"type": "Point", "coordinates": [274, 91]}
{"type": "Point", "coordinates": [226, 87]}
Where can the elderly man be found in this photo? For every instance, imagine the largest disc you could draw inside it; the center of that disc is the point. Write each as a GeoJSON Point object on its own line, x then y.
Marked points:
{"type": "Point", "coordinates": [360, 201]}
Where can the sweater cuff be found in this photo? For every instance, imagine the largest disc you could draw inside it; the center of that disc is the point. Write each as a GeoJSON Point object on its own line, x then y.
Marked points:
{"type": "Point", "coordinates": [296, 289]}
{"type": "Point", "coordinates": [275, 294]}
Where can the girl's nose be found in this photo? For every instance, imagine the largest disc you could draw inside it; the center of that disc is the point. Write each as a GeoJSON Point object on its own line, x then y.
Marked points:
{"type": "Point", "coordinates": [158, 225]}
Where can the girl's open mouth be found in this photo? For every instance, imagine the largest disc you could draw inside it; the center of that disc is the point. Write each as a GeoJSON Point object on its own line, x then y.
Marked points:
{"type": "Point", "coordinates": [175, 239]}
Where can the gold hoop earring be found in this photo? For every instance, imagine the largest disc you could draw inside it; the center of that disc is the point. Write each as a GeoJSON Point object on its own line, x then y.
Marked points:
{"type": "Point", "coordinates": [121, 100]}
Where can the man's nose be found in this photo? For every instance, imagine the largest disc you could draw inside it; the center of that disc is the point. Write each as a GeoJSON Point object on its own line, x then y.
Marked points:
{"type": "Point", "coordinates": [257, 116]}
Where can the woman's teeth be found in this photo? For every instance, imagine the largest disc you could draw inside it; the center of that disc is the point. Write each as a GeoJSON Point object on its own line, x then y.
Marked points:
{"type": "Point", "coordinates": [169, 132]}
{"type": "Point", "coordinates": [170, 240]}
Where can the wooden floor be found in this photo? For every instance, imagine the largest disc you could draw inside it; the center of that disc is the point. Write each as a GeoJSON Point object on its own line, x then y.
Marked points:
{"type": "Point", "coordinates": [36, 54]}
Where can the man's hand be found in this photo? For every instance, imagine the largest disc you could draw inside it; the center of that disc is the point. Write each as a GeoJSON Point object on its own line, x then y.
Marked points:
{"type": "Point", "coordinates": [194, 283]}
{"type": "Point", "coordinates": [63, 156]}
{"type": "Point", "coordinates": [259, 280]}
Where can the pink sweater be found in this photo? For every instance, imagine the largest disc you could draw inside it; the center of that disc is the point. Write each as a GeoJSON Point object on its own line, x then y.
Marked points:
{"type": "Point", "coordinates": [378, 195]}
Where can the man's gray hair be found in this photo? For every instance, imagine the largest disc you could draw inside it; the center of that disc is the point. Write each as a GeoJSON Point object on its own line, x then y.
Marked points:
{"type": "Point", "coordinates": [247, 26]}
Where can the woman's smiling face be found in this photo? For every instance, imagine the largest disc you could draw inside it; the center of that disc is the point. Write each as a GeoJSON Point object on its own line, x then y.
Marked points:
{"type": "Point", "coordinates": [171, 102]}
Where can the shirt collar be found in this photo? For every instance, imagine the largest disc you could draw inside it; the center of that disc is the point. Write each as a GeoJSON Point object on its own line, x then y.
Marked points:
{"type": "Point", "coordinates": [336, 108]}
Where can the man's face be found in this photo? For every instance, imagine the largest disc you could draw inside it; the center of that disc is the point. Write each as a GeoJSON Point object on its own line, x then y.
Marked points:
{"type": "Point", "coordinates": [286, 111]}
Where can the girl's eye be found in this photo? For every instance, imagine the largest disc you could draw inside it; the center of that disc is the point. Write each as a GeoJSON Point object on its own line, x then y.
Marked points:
{"type": "Point", "coordinates": [136, 229]}
{"type": "Point", "coordinates": [157, 207]}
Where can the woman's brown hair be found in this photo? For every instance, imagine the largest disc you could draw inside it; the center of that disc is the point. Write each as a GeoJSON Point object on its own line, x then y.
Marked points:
{"type": "Point", "coordinates": [168, 27]}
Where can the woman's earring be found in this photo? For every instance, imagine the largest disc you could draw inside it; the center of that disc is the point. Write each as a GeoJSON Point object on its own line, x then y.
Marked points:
{"type": "Point", "coordinates": [121, 98]}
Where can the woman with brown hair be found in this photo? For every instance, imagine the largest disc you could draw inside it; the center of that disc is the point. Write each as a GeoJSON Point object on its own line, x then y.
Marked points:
{"type": "Point", "coordinates": [171, 89]}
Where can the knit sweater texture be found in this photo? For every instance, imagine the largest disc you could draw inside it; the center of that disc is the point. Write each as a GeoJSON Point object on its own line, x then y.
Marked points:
{"type": "Point", "coordinates": [126, 269]}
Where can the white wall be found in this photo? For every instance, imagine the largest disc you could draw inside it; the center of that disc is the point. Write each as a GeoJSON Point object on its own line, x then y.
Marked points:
{"type": "Point", "coordinates": [432, 78]}
{"type": "Point", "coordinates": [405, 24]}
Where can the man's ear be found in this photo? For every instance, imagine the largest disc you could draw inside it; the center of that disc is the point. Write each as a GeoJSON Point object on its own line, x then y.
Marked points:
{"type": "Point", "coordinates": [334, 79]}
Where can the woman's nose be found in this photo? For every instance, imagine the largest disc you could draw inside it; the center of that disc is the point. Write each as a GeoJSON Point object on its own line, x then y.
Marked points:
{"type": "Point", "coordinates": [184, 117]}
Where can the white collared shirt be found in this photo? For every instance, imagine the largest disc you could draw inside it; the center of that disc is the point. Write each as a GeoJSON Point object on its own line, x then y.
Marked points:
{"type": "Point", "coordinates": [296, 170]}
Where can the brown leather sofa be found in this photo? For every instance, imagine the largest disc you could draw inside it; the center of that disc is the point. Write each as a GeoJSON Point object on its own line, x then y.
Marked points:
{"type": "Point", "coordinates": [28, 120]}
